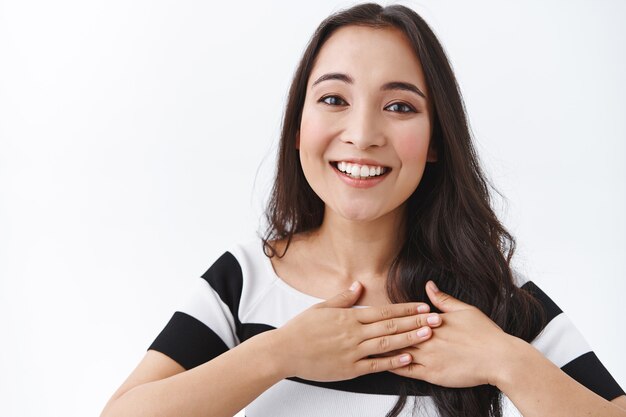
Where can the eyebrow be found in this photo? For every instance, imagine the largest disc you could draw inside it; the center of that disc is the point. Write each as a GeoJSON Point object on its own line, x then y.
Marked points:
{"type": "Point", "coordinates": [393, 85]}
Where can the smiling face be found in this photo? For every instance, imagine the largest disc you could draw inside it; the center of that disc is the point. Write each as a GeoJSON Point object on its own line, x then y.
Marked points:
{"type": "Point", "coordinates": [366, 123]}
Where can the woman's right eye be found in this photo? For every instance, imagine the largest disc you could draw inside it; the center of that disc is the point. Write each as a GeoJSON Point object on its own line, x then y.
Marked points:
{"type": "Point", "coordinates": [333, 101]}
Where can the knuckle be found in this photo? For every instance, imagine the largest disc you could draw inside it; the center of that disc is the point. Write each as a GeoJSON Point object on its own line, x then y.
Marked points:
{"type": "Point", "coordinates": [343, 317]}
{"type": "Point", "coordinates": [410, 337]}
{"type": "Point", "coordinates": [383, 344]}
{"type": "Point", "coordinates": [374, 365]}
{"type": "Point", "coordinates": [385, 312]}
{"type": "Point", "coordinates": [391, 326]}
{"type": "Point", "coordinates": [443, 298]}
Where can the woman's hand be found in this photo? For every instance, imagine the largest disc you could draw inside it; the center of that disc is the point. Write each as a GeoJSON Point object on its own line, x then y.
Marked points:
{"type": "Point", "coordinates": [465, 351]}
{"type": "Point", "coordinates": [331, 341]}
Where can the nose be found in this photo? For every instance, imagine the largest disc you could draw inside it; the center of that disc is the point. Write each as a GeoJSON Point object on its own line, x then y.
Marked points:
{"type": "Point", "coordinates": [363, 128]}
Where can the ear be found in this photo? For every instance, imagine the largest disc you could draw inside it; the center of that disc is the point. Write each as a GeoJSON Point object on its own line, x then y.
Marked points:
{"type": "Point", "coordinates": [431, 156]}
{"type": "Point", "coordinates": [298, 140]}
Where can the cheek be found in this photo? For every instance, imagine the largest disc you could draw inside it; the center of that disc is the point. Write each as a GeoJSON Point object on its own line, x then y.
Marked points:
{"type": "Point", "coordinates": [314, 133]}
{"type": "Point", "coordinates": [412, 146]}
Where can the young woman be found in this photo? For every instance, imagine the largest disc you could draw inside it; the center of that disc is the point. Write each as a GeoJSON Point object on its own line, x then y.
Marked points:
{"type": "Point", "coordinates": [378, 189]}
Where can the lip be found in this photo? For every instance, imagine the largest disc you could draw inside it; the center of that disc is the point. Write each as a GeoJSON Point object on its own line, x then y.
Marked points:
{"type": "Point", "coordinates": [361, 161]}
{"type": "Point", "coordinates": [359, 183]}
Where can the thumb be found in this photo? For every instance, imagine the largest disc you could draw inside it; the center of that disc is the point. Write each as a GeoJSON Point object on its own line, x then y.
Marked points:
{"type": "Point", "coordinates": [444, 302]}
{"type": "Point", "coordinates": [345, 298]}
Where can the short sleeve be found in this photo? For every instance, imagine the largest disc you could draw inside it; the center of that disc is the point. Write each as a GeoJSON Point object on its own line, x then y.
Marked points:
{"type": "Point", "coordinates": [562, 343]}
{"type": "Point", "coordinates": [206, 324]}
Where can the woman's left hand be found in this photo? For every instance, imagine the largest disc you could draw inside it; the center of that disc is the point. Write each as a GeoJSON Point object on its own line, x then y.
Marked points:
{"type": "Point", "coordinates": [467, 350]}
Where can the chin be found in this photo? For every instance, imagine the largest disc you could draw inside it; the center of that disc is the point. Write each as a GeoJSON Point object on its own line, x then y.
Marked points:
{"type": "Point", "coordinates": [361, 214]}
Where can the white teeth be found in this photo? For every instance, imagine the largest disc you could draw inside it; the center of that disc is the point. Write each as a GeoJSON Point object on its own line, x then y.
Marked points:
{"type": "Point", "coordinates": [360, 171]}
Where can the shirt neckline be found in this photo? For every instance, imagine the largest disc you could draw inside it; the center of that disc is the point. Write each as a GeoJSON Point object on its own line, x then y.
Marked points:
{"type": "Point", "coordinates": [283, 284]}
{"type": "Point", "coordinates": [267, 262]}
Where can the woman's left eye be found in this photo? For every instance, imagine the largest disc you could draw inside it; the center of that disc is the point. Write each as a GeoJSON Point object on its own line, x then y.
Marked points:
{"type": "Point", "coordinates": [400, 108]}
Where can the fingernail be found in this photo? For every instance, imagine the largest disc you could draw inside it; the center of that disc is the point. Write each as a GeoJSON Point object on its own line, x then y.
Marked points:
{"type": "Point", "coordinates": [354, 286]}
{"type": "Point", "coordinates": [433, 286]}
{"type": "Point", "coordinates": [422, 308]}
{"type": "Point", "coordinates": [405, 358]}
{"type": "Point", "coordinates": [422, 332]}
{"type": "Point", "coordinates": [434, 319]}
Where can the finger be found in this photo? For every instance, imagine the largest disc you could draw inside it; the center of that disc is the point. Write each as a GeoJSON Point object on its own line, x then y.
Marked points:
{"type": "Point", "coordinates": [384, 344]}
{"type": "Point", "coordinates": [414, 351]}
{"type": "Point", "coordinates": [400, 325]}
{"type": "Point", "coordinates": [345, 298]}
{"type": "Point", "coordinates": [369, 366]}
{"type": "Point", "coordinates": [444, 302]}
{"type": "Point", "coordinates": [374, 314]}
{"type": "Point", "coordinates": [412, 370]}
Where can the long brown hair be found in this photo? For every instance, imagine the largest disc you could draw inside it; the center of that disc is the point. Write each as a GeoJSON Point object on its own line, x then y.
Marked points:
{"type": "Point", "coordinates": [452, 234]}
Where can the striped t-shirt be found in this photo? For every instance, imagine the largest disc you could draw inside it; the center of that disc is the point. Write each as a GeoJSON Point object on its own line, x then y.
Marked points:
{"type": "Point", "coordinates": [241, 296]}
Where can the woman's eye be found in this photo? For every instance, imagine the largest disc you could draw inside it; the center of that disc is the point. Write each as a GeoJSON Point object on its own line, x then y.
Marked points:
{"type": "Point", "coordinates": [333, 101]}
{"type": "Point", "coordinates": [401, 108]}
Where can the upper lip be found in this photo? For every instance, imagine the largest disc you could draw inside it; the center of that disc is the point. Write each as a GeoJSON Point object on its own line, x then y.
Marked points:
{"type": "Point", "coordinates": [360, 161]}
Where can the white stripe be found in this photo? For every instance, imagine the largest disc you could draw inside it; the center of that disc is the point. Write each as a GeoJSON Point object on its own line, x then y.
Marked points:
{"type": "Point", "coordinates": [560, 341]}
{"type": "Point", "coordinates": [205, 305]}
{"type": "Point", "coordinates": [256, 281]}
{"type": "Point", "coordinates": [289, 398]}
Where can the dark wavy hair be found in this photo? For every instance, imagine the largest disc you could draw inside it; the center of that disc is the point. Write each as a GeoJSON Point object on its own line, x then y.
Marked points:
{"type": "Point", "coordinates": [452, 234]}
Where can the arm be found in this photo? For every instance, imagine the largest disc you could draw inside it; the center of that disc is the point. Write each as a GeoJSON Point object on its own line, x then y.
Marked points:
{"type": "Point", "coordinates": [327, 342]}
{"type": "Point", "coordinates": [469, 350]}
{"type": "Point", "coordinates": [620, 402]}
{"type": "Point", "coordinates": [538, 388]}
{"type": "Point", "coordinates": [220, 387]}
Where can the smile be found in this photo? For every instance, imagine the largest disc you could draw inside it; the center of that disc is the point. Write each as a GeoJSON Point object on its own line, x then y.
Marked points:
{"type": "Point", "coordinates": [358, 171]}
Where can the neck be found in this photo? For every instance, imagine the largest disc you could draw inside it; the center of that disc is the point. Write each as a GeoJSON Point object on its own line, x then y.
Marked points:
{"type": "Point", "coordinates": [360, 250]}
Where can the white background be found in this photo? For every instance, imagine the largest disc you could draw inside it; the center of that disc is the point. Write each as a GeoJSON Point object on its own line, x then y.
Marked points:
{"type": "Point", "coordinates": [137, 142]}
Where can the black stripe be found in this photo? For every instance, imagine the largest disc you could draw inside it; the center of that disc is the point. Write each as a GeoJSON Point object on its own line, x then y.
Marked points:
{"type": "Point", "coordinates": [188, 341]}
{"type": "Point", "coordinates": [550, 308]}
{"type": "Point", "coordinates": [381, 383]}
{"type": "Point", "coordinates": [252, 329]}
{"type": "Point", "coordinates": [589, 371]}
{"type": "Point", "coordinates": [226, 278]}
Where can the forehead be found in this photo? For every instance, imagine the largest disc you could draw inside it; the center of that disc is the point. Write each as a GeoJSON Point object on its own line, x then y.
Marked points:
{"type": "Point", "coordinates": [369, 54]}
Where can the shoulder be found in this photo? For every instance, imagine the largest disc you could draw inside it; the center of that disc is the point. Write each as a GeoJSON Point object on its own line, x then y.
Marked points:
{"type": "Point", "coordinates": [241, 275]}
{"type": "Point", "coordinates": [239, 261]}
{"type": "Point", "coordinates": [549, 307]}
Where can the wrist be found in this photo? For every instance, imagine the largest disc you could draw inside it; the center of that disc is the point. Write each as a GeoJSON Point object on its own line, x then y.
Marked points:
{"type": "Point", "coordinates": [268, 347]}
{"type": "Point", "coordinates": [515, 358]}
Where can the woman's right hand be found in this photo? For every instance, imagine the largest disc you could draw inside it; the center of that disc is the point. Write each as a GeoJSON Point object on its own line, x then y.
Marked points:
{"type": "Point", "coordinates": [331, 341]}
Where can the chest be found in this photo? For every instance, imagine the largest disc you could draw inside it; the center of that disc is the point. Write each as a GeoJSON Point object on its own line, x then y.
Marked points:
{"type": "Point", "coordinates": [323, 284]}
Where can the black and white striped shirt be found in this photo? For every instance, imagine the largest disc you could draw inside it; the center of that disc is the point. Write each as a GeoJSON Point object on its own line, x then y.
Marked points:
{"type": "Point", "coordinates": [241, 296]}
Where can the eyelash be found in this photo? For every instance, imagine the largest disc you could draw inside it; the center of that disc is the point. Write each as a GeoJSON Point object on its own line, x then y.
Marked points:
{"type": "Point", "coordinates": [410, 108]}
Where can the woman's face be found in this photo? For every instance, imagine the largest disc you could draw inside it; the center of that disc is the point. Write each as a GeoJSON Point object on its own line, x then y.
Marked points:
{"type": "Point", "coordinates": [366, 124]}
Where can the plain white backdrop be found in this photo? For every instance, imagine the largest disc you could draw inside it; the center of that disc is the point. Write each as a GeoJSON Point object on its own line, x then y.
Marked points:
{"type": "Point", "coordinates": [137, 142]}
